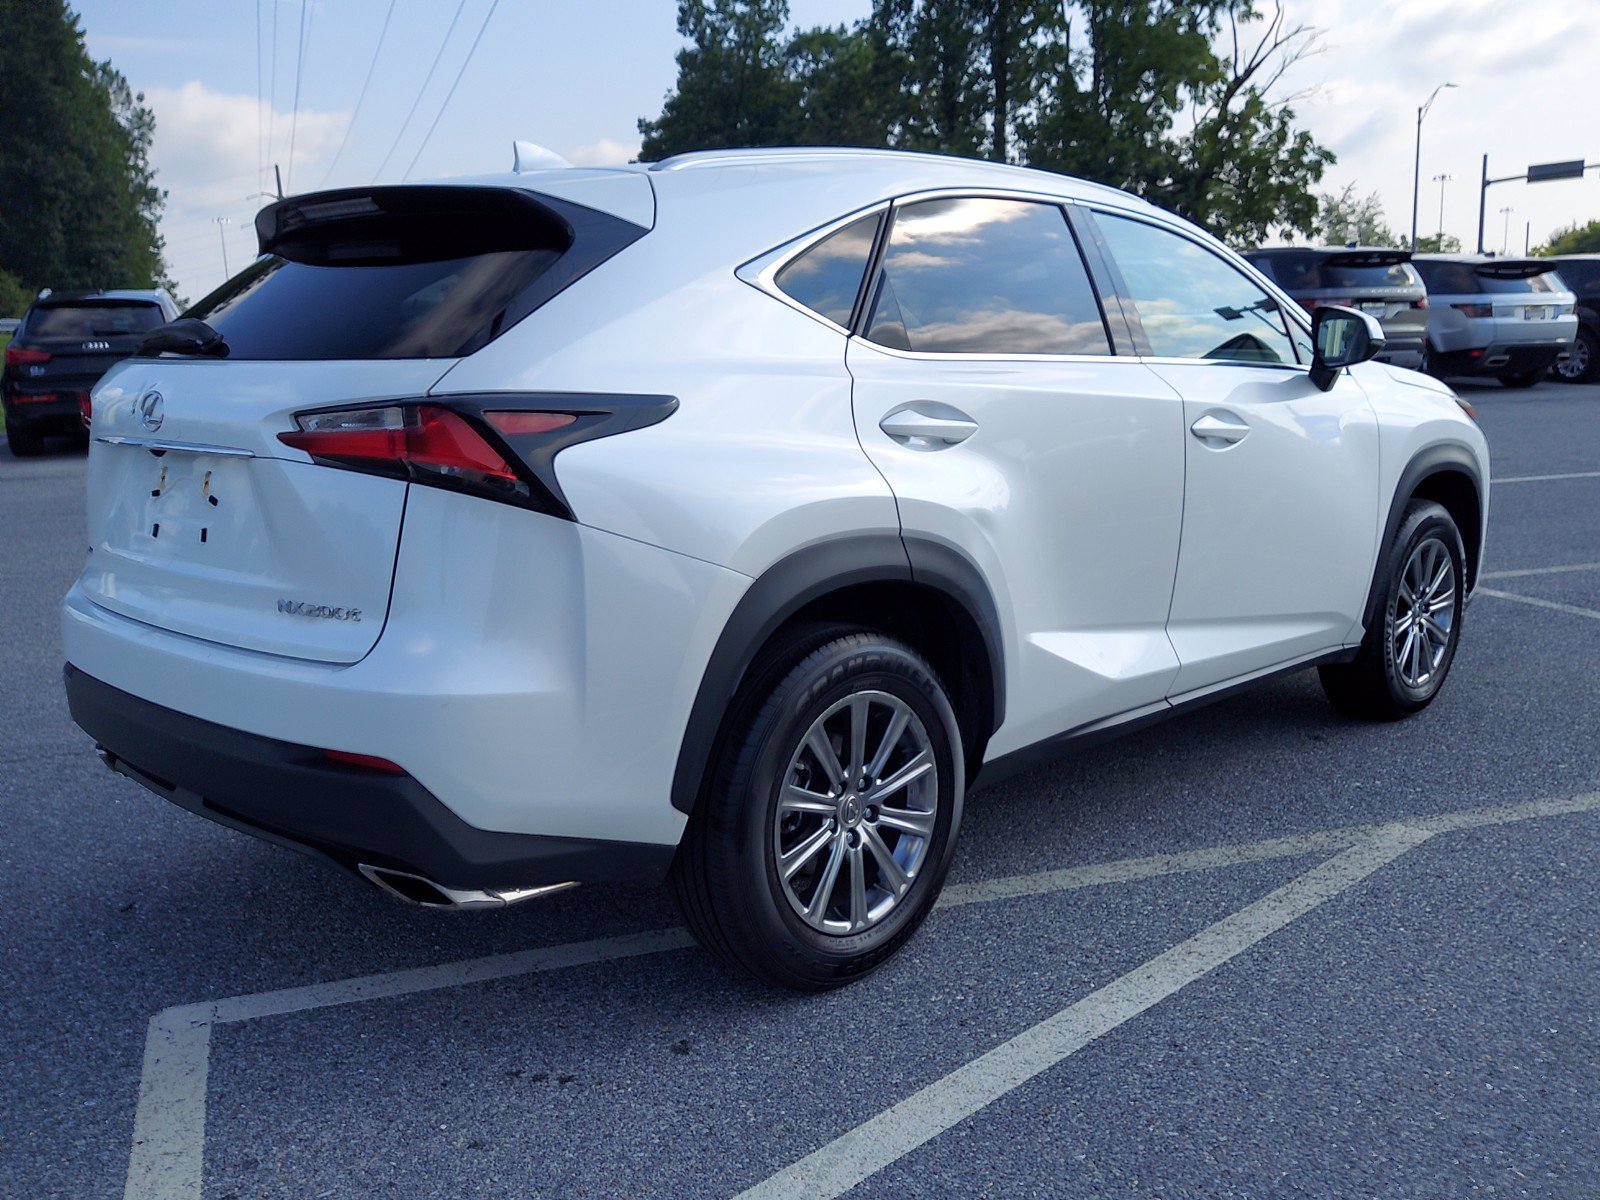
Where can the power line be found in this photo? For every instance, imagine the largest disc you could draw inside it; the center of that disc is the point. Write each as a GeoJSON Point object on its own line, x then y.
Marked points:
{"type": "Point", "coordinates": [470, 52]}
{"type": "Point", "coordinates": [299, 64]}
{"type": "Point", "coordinates": [356, 112]}
{"type": "Point", "coordinates": [427, 79]}
{"type": "Point", "coordinates": [259, 118]}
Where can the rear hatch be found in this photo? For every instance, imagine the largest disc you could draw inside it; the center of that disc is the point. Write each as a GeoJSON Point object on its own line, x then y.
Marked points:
{"type": "Point", "coordinates": [202, 520]}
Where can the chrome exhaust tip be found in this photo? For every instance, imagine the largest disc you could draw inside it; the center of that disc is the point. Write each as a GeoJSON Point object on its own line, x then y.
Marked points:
{"type": "Point", "coordinates": [417, 889]}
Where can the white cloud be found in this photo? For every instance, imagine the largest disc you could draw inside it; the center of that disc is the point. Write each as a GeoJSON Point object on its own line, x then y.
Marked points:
{"type": "Point", "coordinates": [604, 153]}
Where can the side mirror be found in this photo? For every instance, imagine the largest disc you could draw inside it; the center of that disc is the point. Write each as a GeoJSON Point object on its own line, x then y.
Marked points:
{"type": "Point", "coordinates": [1343, 337]}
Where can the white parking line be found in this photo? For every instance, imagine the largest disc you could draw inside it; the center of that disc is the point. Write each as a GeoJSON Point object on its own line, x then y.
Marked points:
{"type": "Point", "coordinates": [1561, 570]}
{"type": "Point", "coordinates": [884, 1139]}
{"type": "Point", "coordinates": [169, 1123]}
{"type": "Point", "coordinates": [1556, 605]}
{"type": "Point", "coordinates": [1548, 478]}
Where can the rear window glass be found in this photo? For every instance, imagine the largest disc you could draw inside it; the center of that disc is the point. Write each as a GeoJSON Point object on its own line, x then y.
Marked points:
{"type": "Point", "coordinates": [1582, 276]}
{"type": "Point", "coordinates": [827, 277]}
{"type": "Point", "coordinates": [1462, 279]}
{"type": "Point", "coordinates": [403, 273]}
{"type": "Point", "coordinates": [1313, 272]}
{"type": "Point", "coordinates": [93, 320]}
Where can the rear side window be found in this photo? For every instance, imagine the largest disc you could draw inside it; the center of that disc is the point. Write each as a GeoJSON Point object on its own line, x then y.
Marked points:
{"type": "Point", "coordinates": [1191, 302]}
{"type": "Point", "coordinates": [983, 276]}
{"type": "Point", "coordinates": [79, 321]}
{"type": "Point", "coordinates": [827, 277]}
{"type": "Point", "coordinates": [404, 272]}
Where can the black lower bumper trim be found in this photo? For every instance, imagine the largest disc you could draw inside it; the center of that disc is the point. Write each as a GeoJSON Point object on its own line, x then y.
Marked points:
{"type": "Point", "coordinates": [294, 796]}
{"type": "Point", "coordinates": [1508, 360]}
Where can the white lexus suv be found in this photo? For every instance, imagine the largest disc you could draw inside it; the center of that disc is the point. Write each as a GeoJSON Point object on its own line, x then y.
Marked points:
{"type": "Point", "coordinates": [727, 517]}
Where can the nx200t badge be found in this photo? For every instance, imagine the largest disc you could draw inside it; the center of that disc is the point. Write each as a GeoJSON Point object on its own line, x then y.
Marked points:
{"type": "Point", "coordinates": [299, 608]}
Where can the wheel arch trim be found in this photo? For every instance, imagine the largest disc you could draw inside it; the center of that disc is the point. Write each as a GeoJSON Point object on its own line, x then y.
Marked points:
{"type": "Point", "coordinates": [1441, 459]}
{"type": "Point", "coordinates": [797, 580]}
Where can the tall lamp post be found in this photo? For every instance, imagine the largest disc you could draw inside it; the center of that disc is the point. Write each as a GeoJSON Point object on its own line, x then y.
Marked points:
{"type": "Point", "coordinates": [1416, 173]}
{"type": "Point", "coordinates": [221, 222]}
{"type": "Point", "coordinates": [1441, 180]}
{"type": "Point", "coordinates": [1505, 234]}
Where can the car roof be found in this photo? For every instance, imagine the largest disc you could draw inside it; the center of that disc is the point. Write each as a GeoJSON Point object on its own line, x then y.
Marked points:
{"type": "Point", "coordinates": [132, 295]}
{"type": "Point", "coordinates": [1322, 250]}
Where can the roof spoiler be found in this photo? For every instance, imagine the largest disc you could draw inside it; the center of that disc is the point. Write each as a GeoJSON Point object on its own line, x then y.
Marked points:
{"type": "Point", "coordinates": [1514, 268]}
{"type": "Point", "coordinates": [1379, 257]}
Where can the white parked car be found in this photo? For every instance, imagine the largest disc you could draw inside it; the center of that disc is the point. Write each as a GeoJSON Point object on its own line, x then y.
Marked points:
{"type": "Point", "coordinates": [728, 517]}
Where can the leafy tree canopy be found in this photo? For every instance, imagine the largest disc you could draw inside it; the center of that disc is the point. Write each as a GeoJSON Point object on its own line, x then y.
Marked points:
{"type": "Point", "coordinates": [1351, 220]}
{"type": "Point", "coordinates": [1176, 100]}
{"type": "Point", "coordinates": [1573, 239]}
{"type": "Point", "coordinates": [80, 203]}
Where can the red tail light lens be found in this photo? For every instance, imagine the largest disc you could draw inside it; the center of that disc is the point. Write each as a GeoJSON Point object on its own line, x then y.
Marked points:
{"type": "Point", "coordinates": [85, 409]}
{"type": "Point", "coordinates": [516, 424]}
{"type": "Point", "coordinates": [423, 442]}
{"type": "Point", "coordinates": [20, 356]}
{"type": "Point", "coordinates": [369, 762]}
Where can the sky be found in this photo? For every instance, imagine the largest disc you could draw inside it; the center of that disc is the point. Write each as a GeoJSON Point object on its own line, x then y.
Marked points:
{"type": "Point", "coordinates": [454, 82]}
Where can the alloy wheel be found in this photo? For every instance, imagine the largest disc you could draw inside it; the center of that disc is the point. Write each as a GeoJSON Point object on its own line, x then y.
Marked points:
{"type": "Point", "coordinates": [1575, 366]}
{"type": "Point", "coordinates": [855, 820]}
{"type": "Point", "coordinates": [1424, 613]}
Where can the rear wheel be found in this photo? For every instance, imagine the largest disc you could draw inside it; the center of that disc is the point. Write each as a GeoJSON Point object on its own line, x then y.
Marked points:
{"type": "Point", "coordinates": [1580, 365]}
{"type": "Point", "coordinates": [1407, 652]}
{"type": "Point", "coordinates": [828, 824]}
{"type": "Point", "coordinates": [1521, 379]}
{"type": "Point", "coordinates": [24, 443]}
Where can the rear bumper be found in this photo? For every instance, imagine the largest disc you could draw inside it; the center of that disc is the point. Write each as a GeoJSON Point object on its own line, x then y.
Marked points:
{"type": "Point", "coordinates": [61, 414]}
{"type": "Point", "coordinates": [292, 795]}
{"type": "Point", "coordinates": [1499, 360]}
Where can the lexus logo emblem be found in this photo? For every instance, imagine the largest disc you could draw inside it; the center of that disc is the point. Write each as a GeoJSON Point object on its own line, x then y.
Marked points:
{"type": "Point", "coordinates": [97, 345]}
{"type": "Point", "coordinates": [148, 406]}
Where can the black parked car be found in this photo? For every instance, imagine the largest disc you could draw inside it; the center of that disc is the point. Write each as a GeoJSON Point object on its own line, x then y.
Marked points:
{"type": "Point", "coordinates": [1581, 274]}
{"type": "Point", "coordinates": [58, 353]}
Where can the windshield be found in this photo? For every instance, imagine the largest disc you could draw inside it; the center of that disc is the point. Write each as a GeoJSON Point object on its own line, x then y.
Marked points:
{"type": "Point", "coordinates": [81, 321]}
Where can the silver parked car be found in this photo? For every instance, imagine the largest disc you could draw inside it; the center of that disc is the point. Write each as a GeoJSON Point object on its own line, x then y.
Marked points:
{"type": "Point", "coordinates": [1511, 318]}
{"type": "Point", "coordinates": [1376, 279]}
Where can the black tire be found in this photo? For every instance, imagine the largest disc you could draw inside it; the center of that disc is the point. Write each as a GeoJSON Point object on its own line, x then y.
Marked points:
{"type": "Point", "coordinates": [726, 875]}
{"type": "Point", "coordinates": [1522, 379]}
{"type": "Point", "coordinates": [1583, 364]}
{"type": "Point", "coordinates": [24, 443]}
{"type": "Point", "coordinates": [1374, 686]}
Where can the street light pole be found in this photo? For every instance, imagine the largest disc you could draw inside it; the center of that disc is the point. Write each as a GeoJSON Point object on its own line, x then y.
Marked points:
{"type": "Point", "coordinates": [1505, 234]}
{"type": "Point", "coordinates": [1441, 180]}
{"type": "Point", "coordinates": [1416, 171]}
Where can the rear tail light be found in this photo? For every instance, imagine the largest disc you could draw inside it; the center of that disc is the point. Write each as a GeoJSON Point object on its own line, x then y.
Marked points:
{"type": "Point", "coordinates": [85, 409]}
{"type": "Point", "coordinates": [20, 356]}
{"type": "Point", "coordinates": [1478, 311]}
{"type": "Point", "coordinates": [35, 397]}
{"type": "Point", "coordinates": [367, 762]}
{"type": "Point", "coordinates": [1423, 303]}
{"type": "Point", "coordinates": [1341, 302]}
{"type": "Point", "coordinates": [499, 446]}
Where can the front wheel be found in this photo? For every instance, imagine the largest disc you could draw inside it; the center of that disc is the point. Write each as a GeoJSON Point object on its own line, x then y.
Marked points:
{"type": "Point", "coordinates": [828, 824]}
{"type": "Point", "coordinates": [1407, 652]}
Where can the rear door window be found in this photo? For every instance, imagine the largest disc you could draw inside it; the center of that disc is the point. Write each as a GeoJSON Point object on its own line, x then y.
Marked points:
{"type": "Point", "coordinates": [83, 321]}
{"type": "Point", "coordinates": [985, 276]}
{"type": "Point", "coordinates": [1191, 302]}
{"type": "Point", "coordinates": [827, 277]}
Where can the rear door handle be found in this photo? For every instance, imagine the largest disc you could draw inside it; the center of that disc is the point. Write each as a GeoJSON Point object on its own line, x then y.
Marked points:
{"type": "Point", "coordinates": [1224, 427]}
{"type": "Point", "coordinates": [909, 425]}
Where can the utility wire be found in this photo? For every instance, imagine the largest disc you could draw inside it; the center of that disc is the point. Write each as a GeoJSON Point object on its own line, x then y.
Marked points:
{"type": "Point", "coordinates": [299, 64]}
{"type": "Point", "coordinates": [427, 79]}
{"type": "Point", "coordinates": [470, 52]}
{"type": "Point", "coordinates": [356, 112]}
{"type": "Point", "coordinates": [260, 127]}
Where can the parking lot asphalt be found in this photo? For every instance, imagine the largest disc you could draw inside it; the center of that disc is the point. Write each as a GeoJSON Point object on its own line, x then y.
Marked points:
{"type": "Point", "coordinates": [1258, 951]}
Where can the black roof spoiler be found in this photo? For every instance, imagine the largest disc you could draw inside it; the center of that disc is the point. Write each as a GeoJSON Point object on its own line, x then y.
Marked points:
{"type": "Point", "coordinates": [1375, 256]}
{"type": "Point", "coordinates": [1514, 268]}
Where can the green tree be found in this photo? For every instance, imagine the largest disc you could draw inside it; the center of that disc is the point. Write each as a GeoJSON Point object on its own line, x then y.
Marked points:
{"type": "Point", "coordinates": [1437, 243]}
{"type": "Point", "coordinates": [80, 204]}
{"type": "Point", "coordinates": [734, 87]}
{"type": "Point", "coordinates": [1348, 218]}
{"type": "Point", "coordinates": [844, 97]}
{"type": "Point", "coordinates": [1573, 239]}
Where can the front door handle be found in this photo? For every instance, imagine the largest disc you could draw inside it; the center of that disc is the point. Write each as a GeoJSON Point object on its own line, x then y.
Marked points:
{"type": "Point", "coordinates": [1224, 428]}
{"type": "Point", "coordinates": [910, 426]}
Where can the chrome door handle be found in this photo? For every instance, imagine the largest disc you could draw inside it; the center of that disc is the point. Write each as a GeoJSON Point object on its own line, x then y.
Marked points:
{"type": "Point", "coordinates": [1213, 428]}
{"type": "Point", "coordinates": [910, 425]}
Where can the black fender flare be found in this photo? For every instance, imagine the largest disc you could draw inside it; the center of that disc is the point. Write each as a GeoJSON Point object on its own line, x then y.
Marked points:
{"type": "Point", "coordinates": [1434, 460]}
{"type": "Point", "coordinates": [793, 582]}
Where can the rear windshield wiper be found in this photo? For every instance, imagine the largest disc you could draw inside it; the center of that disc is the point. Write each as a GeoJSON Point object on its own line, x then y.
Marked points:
{"type": "Point", "coordinates": [186, 335]}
